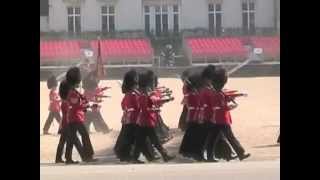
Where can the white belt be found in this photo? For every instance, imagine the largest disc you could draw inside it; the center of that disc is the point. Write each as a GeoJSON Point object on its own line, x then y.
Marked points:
{"type": "Point", "coordinates": [130, 110]}
{"type": "Point", "coordinates": [153, 109]}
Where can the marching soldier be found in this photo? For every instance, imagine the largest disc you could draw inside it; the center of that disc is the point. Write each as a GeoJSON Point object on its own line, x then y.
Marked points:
{"type": "Point", "coordinates": [222, 116]}
{"type": "Point", "coordinates": [182, 120]}
{"type": "Point", "coordinates": [68, 136]}
{"type": "Point", "coordinates": [76, 116]}
{"type": "Point", "coordinates": [207, 101]}
{"type": "Point", "coordinates": [54, 107]}
{"type": "Point", "coordinates": [147, 117]}
{"type": "Point", "coordinates": [191, 145]}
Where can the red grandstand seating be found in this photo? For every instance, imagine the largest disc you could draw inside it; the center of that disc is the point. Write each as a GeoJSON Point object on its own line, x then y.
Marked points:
{"type": "Point", "coordinates": [124, 49]}
{"type": "Point", "coordinates": [270, 45]}
{"type": "Point", "coordinates": [59, 50]}
{"type": "Point", "coordinates": [216, 47]}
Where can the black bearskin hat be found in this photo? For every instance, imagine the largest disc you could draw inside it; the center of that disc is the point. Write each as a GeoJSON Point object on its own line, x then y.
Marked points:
{"type": "Point", "coordinates": [208, 72]}
{"type": "Point", "coordinates": [52, 82]}
{"type": "Point", "coordinates": [220, 78]}
{"type": "Point", "coordinates": [64, 89]}
{"type": "Point", "coordinates": [130, 80]}
{"type": "Point", "coordinates": [73, 76]}
{"type": "Point", "coordinates": [194, 79]}
{"type": "Point", "coordinates": [185, 74]}
{"type": "Point", "coordinates": [151, 78]}
{"type": "Point", "coordinates": [146, 78]}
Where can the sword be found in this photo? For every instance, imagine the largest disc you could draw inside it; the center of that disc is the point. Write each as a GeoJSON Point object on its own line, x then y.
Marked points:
{"type": "Point", "coordinates": [239, 66]}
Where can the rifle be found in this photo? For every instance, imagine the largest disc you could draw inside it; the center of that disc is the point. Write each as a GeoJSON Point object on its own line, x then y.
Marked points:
{"type": "Point", "coordinates": [231, 95]}
{"type": "Point", "coordinates": [102, 96]}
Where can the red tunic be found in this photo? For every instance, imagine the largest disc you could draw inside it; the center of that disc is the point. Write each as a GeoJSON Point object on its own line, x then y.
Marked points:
{"type": "Point", "coordinates": [222, 113]}
{"type": "Point", "coordinates": [130, 107]}
{"type": "Point", "coordinates": [54, 105]}
{"type": "Point", "coordinates": [193, 106]}
{"type": "Point", "coordinates": [77, 104]}
{"type": "Point", "coordinates": [64, 109]}
{"type": "Point", "coordinates": [185, 93]}
{"type": "Point", "coordinates": [207, 97]}
{"type": "Point", "coordinates": [148, 114]}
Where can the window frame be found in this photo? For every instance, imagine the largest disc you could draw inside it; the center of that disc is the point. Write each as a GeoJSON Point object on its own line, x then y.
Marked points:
{"type": "Point", "coordinates": [248, 13]}
{"type": "Point", "coordinates": [176, 13]}
{"type": "Point", "coordinates": [108, 15]}
{"type": "Point", "coordinates": [73, 15]}
{"type": "Point", "coordinates": [214, 12]}
{"type": "Point", "coordinates": [145, 14]}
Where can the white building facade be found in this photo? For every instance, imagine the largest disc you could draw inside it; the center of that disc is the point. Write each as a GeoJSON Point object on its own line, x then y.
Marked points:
{"type": "Point", "coordinates": [161, 16]}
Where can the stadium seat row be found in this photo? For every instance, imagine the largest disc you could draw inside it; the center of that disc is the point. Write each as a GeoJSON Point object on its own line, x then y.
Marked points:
{"type": "Point", "coordinates": [119, 48]}
{"type": "Point", "coordinates": [216, 47]}
{"type": "Point", "coordinates": [229, 47]}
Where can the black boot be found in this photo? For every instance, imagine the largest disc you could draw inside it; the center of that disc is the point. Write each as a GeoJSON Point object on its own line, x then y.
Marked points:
{"type": "Point", "coordinates": [165, 156]}
{"type": "Point", "coordinates": [59, 161]}
{"type": "Point", "coordinates": [72, 162]}
{"type": "Point", "coordinates": [137, 161]}
{"type": "Point", "coordinates": [231, 157]}
{"type": "Point", "coordinates": [91, 160]}
{"type": "Point", "coordinates": [244, 156]}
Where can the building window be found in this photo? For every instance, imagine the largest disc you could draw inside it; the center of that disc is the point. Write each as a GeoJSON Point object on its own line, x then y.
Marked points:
{"type": "Point", "coordinates": [175, 18]}
{"type": "Point", "coordinates": [107, 17]}
{"type": "Point", "coordinates": [158, 20]}
{"type": "Point", "coordinates": [147, 19]}
{"type": "Point", "coordinates": [215, 19]}
{"type": "Point", "coordinates": [248, 11]}
{"type": "Point", "coordinates": [164, 12]}
{"type": "Point", "coordinates": [74, 20]}
{"type": "Point", "coordinates": [161, 20]}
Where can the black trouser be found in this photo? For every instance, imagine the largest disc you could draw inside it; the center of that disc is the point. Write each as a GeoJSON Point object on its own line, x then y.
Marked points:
{"type": "Point", "coordinates": [125, 141]}
{"type": "Point", "coordinates": [142, 136]}
{"type": "Point", "coordinates": [227, 132]}
{"type": "Point", "coordinates": [69, 137]}
{"type": "Point", "coordinates": [85, 139]}
{"type": "Point", "coordinates": [51, 116]}
{"type": "Point", "coordinates": [193, 141]}
{"type": "Point", "coordinates": [217, 143]}
{"type": "Point", "coordinates": [182, 120]}
{"type": "Point", "coordinates": [97, 120]}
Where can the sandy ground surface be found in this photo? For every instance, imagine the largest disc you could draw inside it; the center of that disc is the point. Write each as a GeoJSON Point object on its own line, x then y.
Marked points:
{"type": "Point", "coordinates": [256, 121]}
{"type": "Point", "coordinates": [262, 170]}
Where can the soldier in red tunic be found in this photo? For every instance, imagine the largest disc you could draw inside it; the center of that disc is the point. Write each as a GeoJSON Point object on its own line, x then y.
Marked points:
{"type": "Point", "coordinates": [67, 136]}
{"type": "Point", "coordinates": [191, 145]}
{"type": "Point", "coordinates": [76, 116]}
{"type": "Point", "coordinates": [147, 117]}
{"type": "Point", "coordinates": [222, 116]}
{"type": "Point", "coordinates": [54, 107]}
{"type": "Point", "coordinates": [130, 107]}
{"type": "Point", "coordinates": [182, 120]}
{"type": "Point", "coordinates": [222, 148]}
